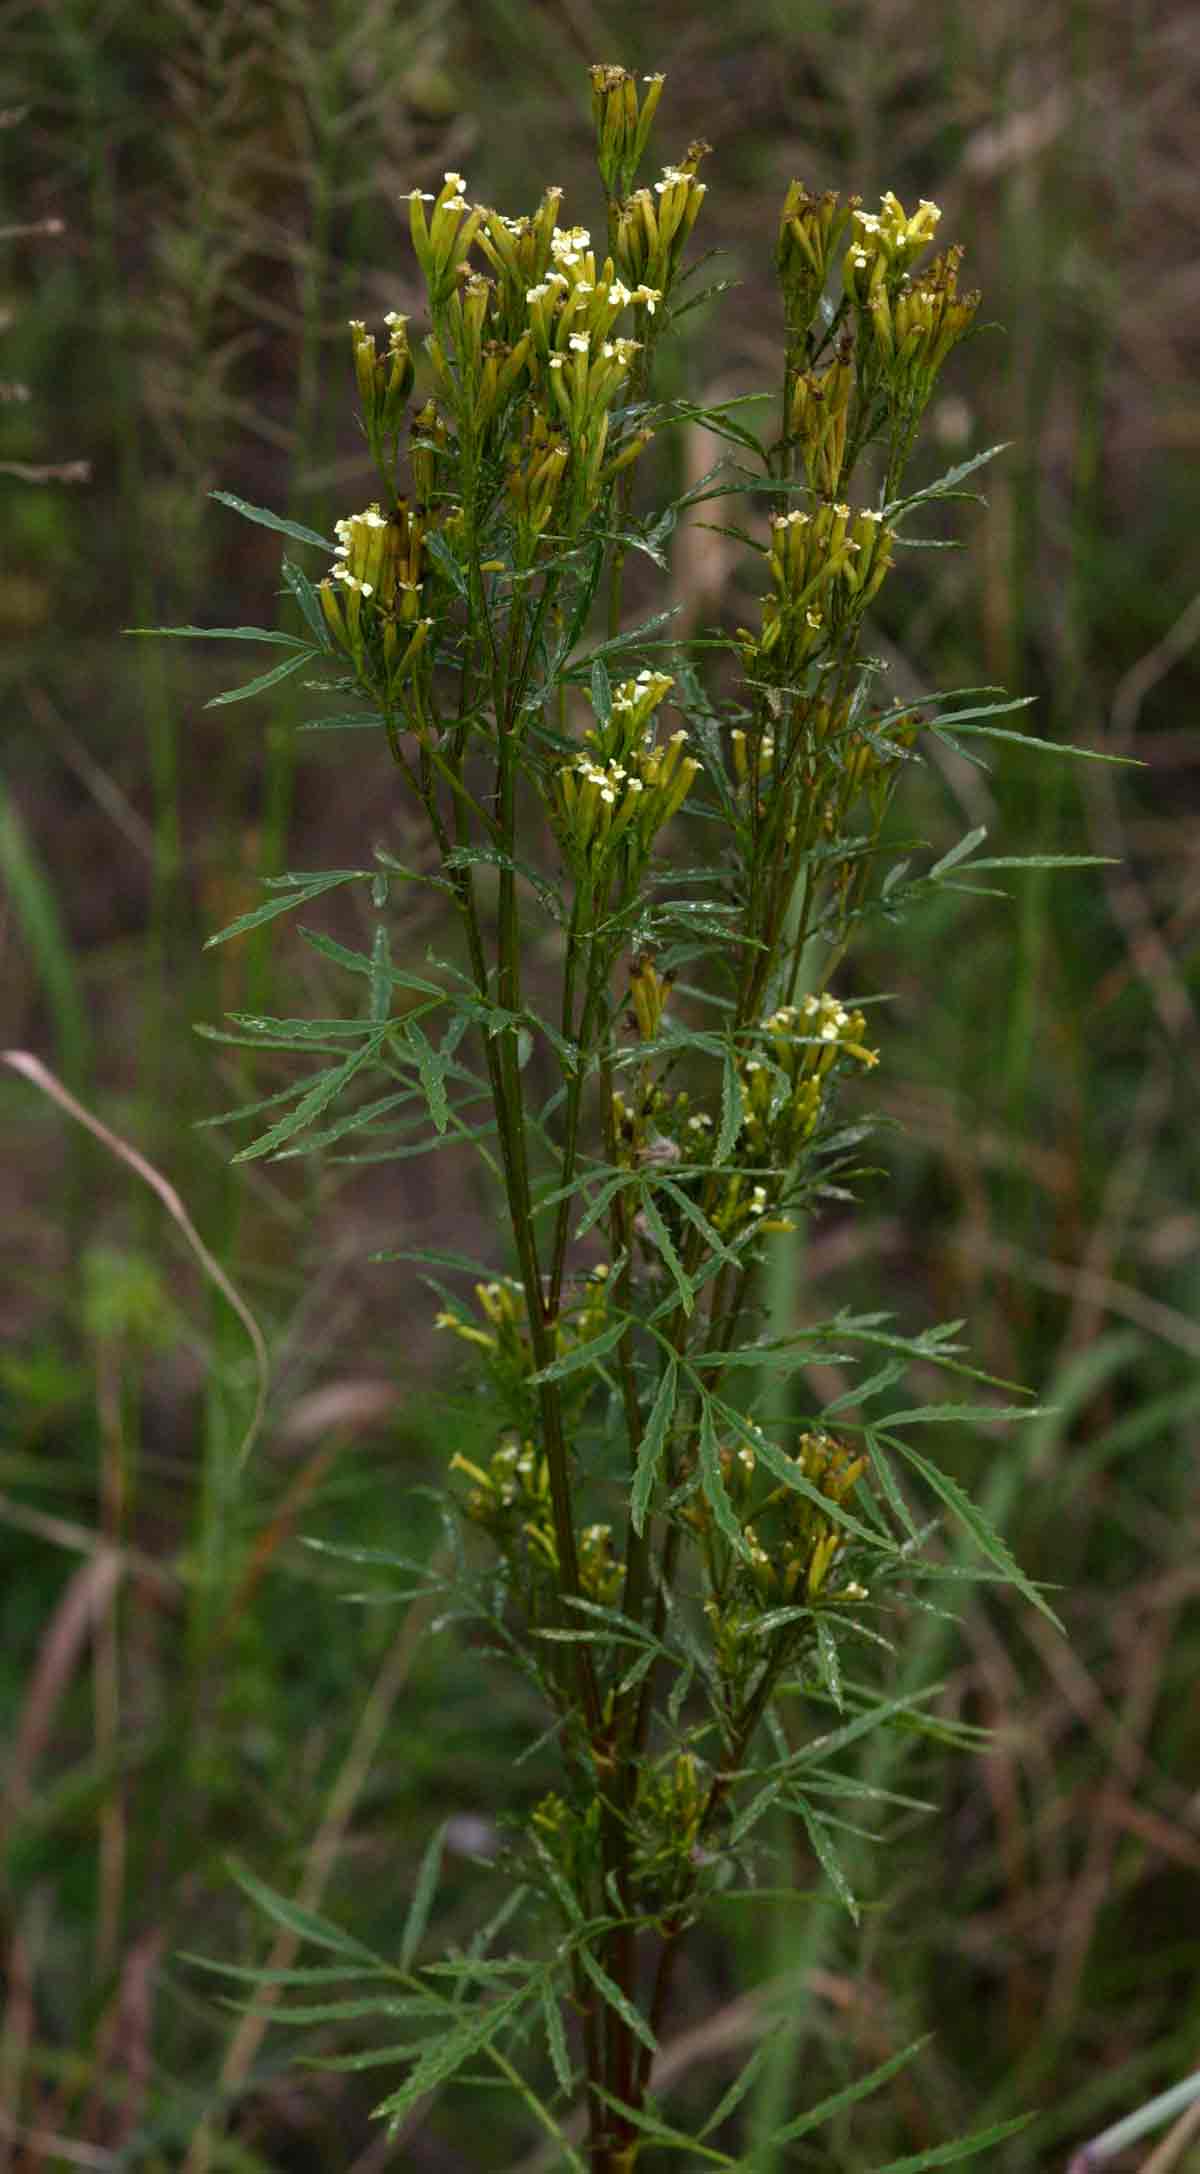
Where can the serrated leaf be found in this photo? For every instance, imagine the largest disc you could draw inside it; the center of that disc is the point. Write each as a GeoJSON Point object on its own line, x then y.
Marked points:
{"type": "Point", "coordinates": [316, 1974]}
{"type": "Point", "coordinates": [556, 2039]}
{"type": "Point", "coordinates": [731, 1109]}
{"type": "Point", "coordinates": [662, 1240]}
{"type": "Point", "coordinates": [967, 1414]}
{"type": "Point", "coordinates": [443, 558]}
{"type": "Point", "coordinates": [650, 1449]}
{"type": "Point", "coordinates": [584, 1355]}
{"type": "Point", "coordinates": [949, 482]}
{"type": "Point", "coordinates": [299, 586]}
{"type": "Point", "coordinates": [305, 1923]}
{"type": "Point", "coordinates": [601, 686]}
{"type": "Point", "coordinates": [1046, 860]}
{"type": "Point", "coordinates": [829, 1663]}
{"type": "Point", "coordinates": [964, 2148]}
{"type": "Point", "coordinates": [959, 852]}
{"type": "Point", "coordinates": [696, 1216]}
{"type": "Point", "coordinates": [651, 2124]}
{"type": "Point", "coordinates": [321, 1093]}
{"type": "Point", "coordinates": [228, 634]}
{"type": "Point", "coordinates": [1027, 739]}
{"type": "Point", "coordinates": [746, 2077]}
{"type": "Point", "coordinates": [614, 1998]}
{"type": "Point", "coordinates": [381, 975]}
{"type": "Point", "coordinates": [358, 962]}
{"type": "Point", "coordinates": [432, 1070]}
{"type": "Point", "coordinates": [447, 2053]}
{"type": "Point", "coordinates": [853, 2092]}
{"type": "Point", "coordinates": [355, 2008]}
{"type": "Point", "coordinates": [883, 1472]}
{"type": "Point", "coordinates": [713, 1482]}
{"type": "Point", "coordinates": [986, 1538]}
{"type": "Point", "coordinates": [460, 1261]}
{"type": "Point", "coordinates": [264, 680]}
{"type": "Point", "coordinates": [782, 1467]}
{"type": "Point", "coordinates": [582, 668]}
{"type": "Point", "coordinates": [312, 888]}
{"type": "Point", "coordinates": [470, 856]}
{"type": "Point", "coordinates": [419, 1908]}
{"type": "Point", "coordinates": [345, 721]}
{"type": "Point", "coordinates": [826, 1854]}
{"type": "Point", "coordinates": [266, 519]}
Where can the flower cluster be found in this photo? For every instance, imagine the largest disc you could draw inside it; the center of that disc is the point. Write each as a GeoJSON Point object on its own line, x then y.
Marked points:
{"type": "Point", "coordinates": [622, 125]}
{"type": "Point", "coordinates": [810, 229]}
{"type": "Point", "coordinates": [629, 786]}
{"type": "Point", "coordinates": [443, 240]}
{"type": "Point", "coordinates": [819, 415]}
{"type": "Point", "coordinates": [825, 567]}
{"type": "Point", "coordinates": [653, 225]}
{"type": "Point", "coordinates": [886, 244]}
{"type": "Point", "coordinates": [915, 329]}
{"type": "Point", "coordinates": [384, 381]}
{"type": "Point", "coordinates": [371, 598]}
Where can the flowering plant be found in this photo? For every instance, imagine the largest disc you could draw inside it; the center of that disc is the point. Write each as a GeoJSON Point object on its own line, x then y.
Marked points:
{"type": "Point", "coordinates": [693, 1587]}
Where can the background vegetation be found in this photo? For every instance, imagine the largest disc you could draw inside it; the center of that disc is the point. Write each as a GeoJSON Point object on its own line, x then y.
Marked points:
{"type": "Point", "coordinates": [185, 1678]}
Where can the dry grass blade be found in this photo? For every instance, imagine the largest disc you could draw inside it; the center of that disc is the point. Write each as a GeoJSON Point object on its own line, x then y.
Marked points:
{"type": "Point", "coordinates": [32, 1069]}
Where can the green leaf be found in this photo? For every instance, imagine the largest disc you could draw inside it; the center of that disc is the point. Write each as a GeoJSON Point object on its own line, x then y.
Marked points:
{"type": "Point", "coordinates": [432, 1068]}
{"type": "Point", "coordinates": [556, 2039]}
{"type": "Point", "coordinates": [827, 1856]}
{"type": "Point", "coordinates": [986, 1538]}
{"type": "Point", "coordinates": [446, 563]}
{"type": "Point", "coordinates": [461, 1261]}
{"type": "Point", "coordinates": [345, 721]}
{"type": "Point", "coordinates": [381, 975]}
{"type": "Point", "coordinates": [829, 1663]}
{"type": "Point", "coordinates": [966, 1414]}
{"type": "Point", "coordinates": [315, 1974]}
{"type": "Point", "coordinates": [903, 1711]}
{"type": "Point", "coordinates": [311, 888]}
{"type": "Point", "coordinates": [662, 1239]}
{"type": "Point", "coordinates": [695, 1215]}
{"type": "Point", "coordinates": [949, 482]}
{"type": "Point", "coordinates": [1046, 860]}
{"type": "Point", "coordinates": [783, 1468]}
{"type": "Point", "coordinates": [584, 1355]}
{"type": "Point", "coordinates": [648, 2124]}
{"type": "Point", "coordinates": [358, 962]}
{"type": "Point", "coordinates": [731, 1109]}
{"type": "Point", "coordinates": [470, 856]}
{"type": "Point", "coordinates": [614, 1998]}
{"type": "Point", "coordinates": [266, 519]}
{"type": "Point", "coordinates": [883, 1472]}
{"type": "Point", "coordinates": [1026, 739]}
{"type": "Point", "coordinates": [662, 1411]}
{"type": "Point", "coordinates": [964, 2148]}
{"type": "Point", "coordinates": [321, 1093]}
{"type": "Point", "coordinates": [228, 634]}
{"type": "Point", "coordinates": [298, 585]}
{"type": "Point", "coordinates": [446, 2053]}
{"type": "Point", "coordinates": [264, 680]}
{"type": "Point", "coordinates": [750, 2069]}
{"type": "Point", "coordinates": [959, 852]}
{"type": "Point", "coordinates": [303, 1922]}
{"type": "Point", "coordinates": [850, 2096]}
{"type": "Point", "coordinates": [601, 691]}
{"type": "Point", "coordinates": [583, 666]}
{"type": "Point", "coordinates": [419, 1908]}
{"type": "Point", "coordinates": [713, 1482]}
